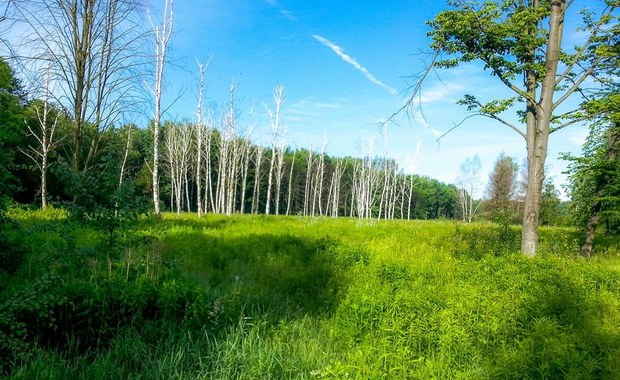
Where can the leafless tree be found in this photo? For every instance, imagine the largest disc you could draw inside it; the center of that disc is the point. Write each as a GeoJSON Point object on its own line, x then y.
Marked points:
{"type": "Point", "coordinates": [44, 135]}
{"type": "Point", "coordinates": [290, 184]}
{"type": "Point", "coordinates": [274, 116]}
{"type": "Point", "coordinates": [307, 186]}
{"type": "Point", "coordinates": [162, 34]}
{"type": "Point", "coordinates": [93, 50]}
{"type": "Point", "coordinates": [246, 155]}
{"type": "Point", "coordinates": [199, 137]}
{"type": "Point", "coordinates": [208, 140]}
{"type": "Point", "coordinates": [178, 139]}
{"type": "Point", "coordinates": [364, 184]}
{"type": "Point", "coordinates": [333, 202]}
{"type": "Point", "coordinates": [128, 143]}
{"type": "Point", "coordinates": [468, 185]}
{"type": "Point", "coordinates": [258, 157]}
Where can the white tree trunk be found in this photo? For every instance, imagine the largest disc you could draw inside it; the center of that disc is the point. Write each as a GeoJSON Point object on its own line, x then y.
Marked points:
{"type": "Point", "coordinates": [162, 38]}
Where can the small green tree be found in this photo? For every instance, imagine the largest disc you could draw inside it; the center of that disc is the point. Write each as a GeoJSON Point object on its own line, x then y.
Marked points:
{"type": "Point", "coordinates": [550, 204]}
{"type": "Point", "coordinates": [501, 189]}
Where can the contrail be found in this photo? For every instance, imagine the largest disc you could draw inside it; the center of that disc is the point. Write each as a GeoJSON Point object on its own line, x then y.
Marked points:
{"type": "Point", "coordinates": [347, 58]}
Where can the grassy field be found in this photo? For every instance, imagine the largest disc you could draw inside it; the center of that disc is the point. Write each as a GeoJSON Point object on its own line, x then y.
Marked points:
{"type": "Point", "coordinates": [255, 297]}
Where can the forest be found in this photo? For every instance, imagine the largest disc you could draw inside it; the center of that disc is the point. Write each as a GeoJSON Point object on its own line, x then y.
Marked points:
{"type": "Point", "coordinates": [188, 249]}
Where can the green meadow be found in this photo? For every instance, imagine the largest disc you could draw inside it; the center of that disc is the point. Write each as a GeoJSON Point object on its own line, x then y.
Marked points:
{"type": "Point", "coordinates": [257, 297]}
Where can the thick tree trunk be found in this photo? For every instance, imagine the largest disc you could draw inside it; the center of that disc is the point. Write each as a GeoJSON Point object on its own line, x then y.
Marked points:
{"type": "Point", "coordinates": [538, 129]}
{"type": "Point", "coordinates": [536, 173]}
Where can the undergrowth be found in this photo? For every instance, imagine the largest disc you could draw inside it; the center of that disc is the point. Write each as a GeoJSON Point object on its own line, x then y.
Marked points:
{"type": "Point", "coordinates": [255, 297]}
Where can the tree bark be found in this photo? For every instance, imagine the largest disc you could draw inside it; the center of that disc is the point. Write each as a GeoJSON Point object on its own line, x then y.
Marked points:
{"type": "Point", "coordinates": [538, 129]}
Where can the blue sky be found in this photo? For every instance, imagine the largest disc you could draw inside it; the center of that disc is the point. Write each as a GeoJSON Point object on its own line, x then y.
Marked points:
{"type": "Point", "coordinates": [345, 66]}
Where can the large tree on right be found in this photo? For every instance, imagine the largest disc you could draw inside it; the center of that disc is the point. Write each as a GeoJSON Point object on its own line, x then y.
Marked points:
{"type": "Point", "coordinates": [520, 42]}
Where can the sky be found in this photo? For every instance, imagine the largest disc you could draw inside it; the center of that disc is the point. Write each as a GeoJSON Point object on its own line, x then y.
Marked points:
{"type": "Point", "coordinates": [346, 66]}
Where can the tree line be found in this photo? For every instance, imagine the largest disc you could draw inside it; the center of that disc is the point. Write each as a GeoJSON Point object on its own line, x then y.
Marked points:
{"type": "Point", "coordinates": [88, 68]}
{"type": "Point", "coordinates": [207, 166]}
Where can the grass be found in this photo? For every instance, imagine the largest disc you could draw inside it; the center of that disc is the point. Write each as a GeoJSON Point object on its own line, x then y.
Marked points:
{"type": "Point", "coordinates": [255, 297]}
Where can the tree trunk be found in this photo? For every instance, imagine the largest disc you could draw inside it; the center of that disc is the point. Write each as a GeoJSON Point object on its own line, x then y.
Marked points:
{"type": "Point", "coordinates": [538, 129]}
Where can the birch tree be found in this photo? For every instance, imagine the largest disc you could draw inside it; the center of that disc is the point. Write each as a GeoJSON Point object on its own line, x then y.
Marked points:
{"type": "Point", "coordinates": [258, 157]}
{"type": "Point", "coordinates": [162, 34]}
{"type": "Point", "coordinates": [200, 138]}
{"type": "Point", "coordinates": [290, 184]}
{"type": "Point", "coordinates": [208, 189]}
{"type": "Point", "coordinates": [274, 117]}
{"type": "Point", "coordinates": [468, 185]}
{"type": "Point", "coordinates": [308, 183]}
{"type": "Point", "coordinates": [44, 135]}
{"type": "Point", "coordinates": [521, 44]}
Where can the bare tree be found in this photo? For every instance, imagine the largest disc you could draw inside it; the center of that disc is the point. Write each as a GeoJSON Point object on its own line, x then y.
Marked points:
{"type": "Point", "coordinates": [290, 184]}
{"type": "Point", "coordinates": [92, 46]}
{"type": "Point", "coordinates": [258, 157]}
{"type": "Point", "coordinates": [364, 184]}
{"type": "Point", "coordinates": [44, 135]}
{"type": "Point", "coordinates": [333, 202]}
{"type": "Point", "coordinates": [246, 155]}
{"type": "Point", "coordinates": [128, 143]}
{"type": "Point", "coordinates": [208, 138]}
{"type": "Point", "coordinates": [199, 137]}
{"type": "Point", "coordinates": [319, 179]}
{"type": "Point", "coordinates": [177, 141]}
{"type": "Point", "coordinates": [274, 117]}
{"type": "Point", "coordinates": [163, 33]}
{"type": "Point", "coordinates": [468, 185]}
{"type": "Point", "coordinates": [309, 164]}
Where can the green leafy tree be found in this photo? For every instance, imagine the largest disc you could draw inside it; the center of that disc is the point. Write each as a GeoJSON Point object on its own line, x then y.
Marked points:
{"type": "Point", "coordinates": [550, 208]}
{"type": "Point", "coordinates": [520, 43]}
{"type": "Point", "coordinates": [595, 182]}
{"type": "Point", "coordinates": [502, 188]}
{"type": "Point", "coordinates": [11, 127]}
{"type": "Point", "coordinates": [595, 177]}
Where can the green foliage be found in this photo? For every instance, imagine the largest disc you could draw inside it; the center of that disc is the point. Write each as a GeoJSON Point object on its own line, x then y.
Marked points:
{"type": "Point", "coordinates": [12, 128]}
{"type": "Point", "coordinates": [251, 297]}
{"type": "Point", "coordinates": [595, 177]}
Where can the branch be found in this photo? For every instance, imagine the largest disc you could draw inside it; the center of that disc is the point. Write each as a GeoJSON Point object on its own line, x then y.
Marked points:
{"type": "Point", "coordinates": [587, 73]}
{"type": "Point", "coordinates": [584, 47]}
{"type": "Point", "coordinates": [575, 120]}
{"type": "Point", "coordinates": [416, 94]}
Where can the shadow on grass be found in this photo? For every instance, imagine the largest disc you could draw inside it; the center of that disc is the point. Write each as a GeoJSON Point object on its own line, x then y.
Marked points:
{"type": "Point", "coordinates": [275, 276]}
{"type": "Point", "coordinates": [568, 331]}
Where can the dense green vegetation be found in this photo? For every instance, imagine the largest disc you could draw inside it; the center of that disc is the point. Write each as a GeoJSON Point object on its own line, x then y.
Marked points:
{"type": "Point", "coordinates": [295, 297]}
{"type": "Point", "coordinates": [93, 286]}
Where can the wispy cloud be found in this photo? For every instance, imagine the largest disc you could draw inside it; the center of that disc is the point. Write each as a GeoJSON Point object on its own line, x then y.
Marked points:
{"type": "Point", "coordinates": [419, 119]}
{"type": "Point", "coordinates": [441, 92]}
{"type": "Point", "coordinates": [288, 14]}
{"type": "Point", "coordinates": [352, 61]}
{"type": "Point", "coordinates": [284, 12]}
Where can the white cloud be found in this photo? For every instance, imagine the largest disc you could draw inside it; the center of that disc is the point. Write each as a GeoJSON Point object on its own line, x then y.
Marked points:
{"type": "Point", "coordinates": [288, 14]}
{"type": "Point", "coordinates": [352, 61]}
{"type": "Point", "coordinates": [441, 92]}
{"type": "Point", "coordinates": [328, 105]}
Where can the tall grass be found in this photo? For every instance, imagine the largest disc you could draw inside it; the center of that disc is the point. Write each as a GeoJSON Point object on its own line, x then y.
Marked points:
{"type": "Point", "coordinates": [255, 297]}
